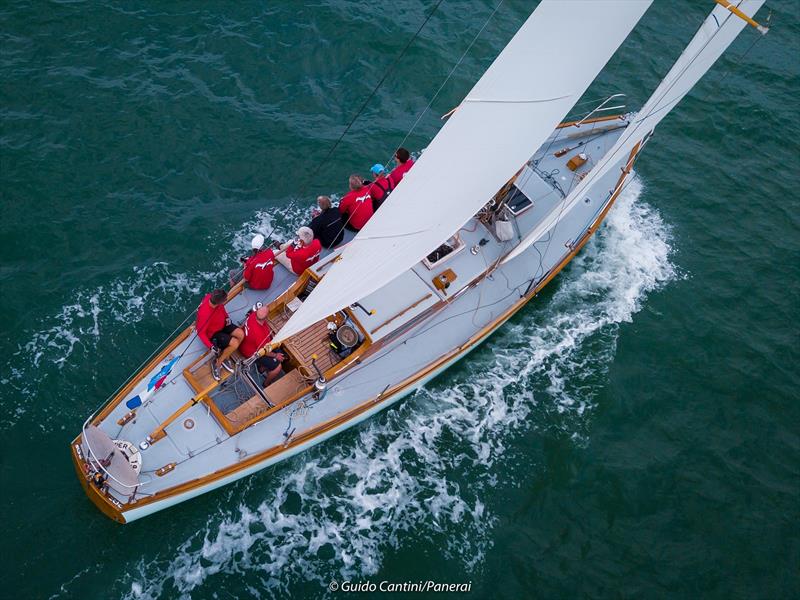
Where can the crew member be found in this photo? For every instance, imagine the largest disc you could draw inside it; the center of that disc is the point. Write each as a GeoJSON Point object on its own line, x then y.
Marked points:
{"type": "Point", "coordinates": [257, 333]}
{"type": "Point", "coordinates": [301, 253]}
{"type": "Point", "coordinates": [215, 330]}
{"type": "Point", "coordinates": [404, 163]}
{"type": "Point", "coordinates": [356, 206]}
{"type": "Point", "coordinates": [258, 267]}
{"type": "Point", "coordinates": [380, 188]}
{"type": "Point", "coordinates": [327, 224]}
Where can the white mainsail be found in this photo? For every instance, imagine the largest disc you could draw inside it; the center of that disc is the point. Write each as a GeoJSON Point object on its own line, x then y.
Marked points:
{"type": "Point", "coordinates": [715, 35]}
{"type": "Point", "coordinates": [509, 113]}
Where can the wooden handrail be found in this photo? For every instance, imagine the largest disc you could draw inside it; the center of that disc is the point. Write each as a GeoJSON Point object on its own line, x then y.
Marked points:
{"type": "Point", "coordinates": [401, 313]}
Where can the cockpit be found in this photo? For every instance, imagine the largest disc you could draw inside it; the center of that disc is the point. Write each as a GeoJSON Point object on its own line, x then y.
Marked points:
{"type": "Point", "coordinates": [311, 357]}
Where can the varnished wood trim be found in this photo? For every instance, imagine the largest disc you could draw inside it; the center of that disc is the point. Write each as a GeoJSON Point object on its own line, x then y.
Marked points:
{"type": "Point", "coordinates": [402, 312]}
{"type": "Point", "coordinates": [337, 368]}
{"type": "Point", "coordinates": [103, 504]}
{"type": "Point", "coordinates": [590, 121]}
{"type": "Point", "coordinates": [160, 431]}
{"type": "Point", "coordinates": [742, 15]}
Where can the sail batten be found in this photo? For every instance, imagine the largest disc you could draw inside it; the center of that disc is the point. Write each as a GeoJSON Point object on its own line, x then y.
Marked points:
{"type": "Point", "coordinates": [712, 39]}
{"type": "Point", "coordinates": [508, 114]}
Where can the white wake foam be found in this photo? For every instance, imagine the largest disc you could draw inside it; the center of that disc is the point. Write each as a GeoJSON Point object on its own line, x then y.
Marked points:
{"type": "Point", "coordinates": [426, 468]}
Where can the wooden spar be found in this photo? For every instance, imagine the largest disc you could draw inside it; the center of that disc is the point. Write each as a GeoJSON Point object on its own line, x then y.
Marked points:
{"type": "Point", "coordinates": [159, 432]}
{"type": "Point", "coordinates": [749, 20]}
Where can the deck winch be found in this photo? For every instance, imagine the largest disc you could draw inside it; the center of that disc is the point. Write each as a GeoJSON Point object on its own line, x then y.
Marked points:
{"type": "Point", "coordinates": [343, 338]}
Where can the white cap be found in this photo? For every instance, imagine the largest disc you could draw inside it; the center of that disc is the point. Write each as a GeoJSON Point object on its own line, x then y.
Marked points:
{"type": "Point", "coordinates": [258, 241]}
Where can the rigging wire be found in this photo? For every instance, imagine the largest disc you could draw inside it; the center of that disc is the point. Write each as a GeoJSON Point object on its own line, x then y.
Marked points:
{"type": "Point", "coordinates": [386, 74]}
{"type": "Point", "coordinates": [452, 71]}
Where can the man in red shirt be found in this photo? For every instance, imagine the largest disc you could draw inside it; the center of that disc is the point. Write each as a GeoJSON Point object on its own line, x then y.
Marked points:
{"type": "Point", "coordinates": [215, 330]}
{"type": "Point", "coordinates": [298, 255]}
{"type": "Point", "coordinates": [404, 164]}
{"type": "Point", "coordinates": [258, 266]}
{"type": "Point", "coordinates": [380, 188]}
{"type": "Point", "coordinates": [356, 206]}
{"type": "Point", "coordinates": [257, 333]}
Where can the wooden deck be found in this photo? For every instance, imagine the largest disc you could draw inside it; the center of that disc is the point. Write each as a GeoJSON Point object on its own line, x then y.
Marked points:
{"type": "Point", "coordinates": [279, 319]}
{"type": "Point", "coordinates": [277, 392]}
{"type": "Point", "coordinates": [198, 374]}
{"type": "Point", "coordinates": [313, 341]}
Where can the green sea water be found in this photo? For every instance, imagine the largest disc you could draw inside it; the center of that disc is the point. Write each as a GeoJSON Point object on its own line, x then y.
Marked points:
{"type": "Point", "coordinates": [632, 433]}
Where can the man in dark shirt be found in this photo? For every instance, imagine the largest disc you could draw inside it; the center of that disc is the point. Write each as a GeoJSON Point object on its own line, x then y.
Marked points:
{"type": "Point", "coordinates": [327, 225]}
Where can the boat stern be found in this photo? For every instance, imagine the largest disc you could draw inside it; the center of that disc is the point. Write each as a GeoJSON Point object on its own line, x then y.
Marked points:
{"type": "Point", "coordinates": [110, 507]}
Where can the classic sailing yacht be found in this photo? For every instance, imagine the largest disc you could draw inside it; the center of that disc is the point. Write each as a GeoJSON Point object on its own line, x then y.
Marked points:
{"type": "Point", "coordinates": [407, 297]}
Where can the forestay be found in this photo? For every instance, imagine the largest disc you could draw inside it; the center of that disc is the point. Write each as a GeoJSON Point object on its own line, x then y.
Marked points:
{"type": "Point", "coordinates": [715, 35]}
{"type": "Point", "coordinates": [509, 113]}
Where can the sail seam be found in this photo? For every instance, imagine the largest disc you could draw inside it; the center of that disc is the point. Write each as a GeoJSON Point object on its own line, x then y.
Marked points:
{"type": "Point", "coordinates": [501, 101]}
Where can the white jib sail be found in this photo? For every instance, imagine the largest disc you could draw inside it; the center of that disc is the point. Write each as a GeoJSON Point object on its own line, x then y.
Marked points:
{"type": "Point", "coordinates": [524, 94]}
{"type": "Point", "coordinates": [715, 35]}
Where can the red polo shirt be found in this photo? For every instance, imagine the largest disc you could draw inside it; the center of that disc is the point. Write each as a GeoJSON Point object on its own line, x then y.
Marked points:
{"type": "Point", "coordinates": [304, 257]}
{"type": "Point", "coordinates": [210, 320]}
{"type": "Point", "coordinates": [357, 205]}
{"type": "Point", "coordinates": [255, 335]}
{"type": "Point", "coordinates": [258, 270]}
{"type": "Point", "coordinates": [397, 174]}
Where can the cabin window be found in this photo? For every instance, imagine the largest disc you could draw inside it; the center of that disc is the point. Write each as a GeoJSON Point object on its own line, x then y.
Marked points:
{"type": "Point", "coordinates": [451, 247]}
{"type": "Point", "coordinates": [517, 202]}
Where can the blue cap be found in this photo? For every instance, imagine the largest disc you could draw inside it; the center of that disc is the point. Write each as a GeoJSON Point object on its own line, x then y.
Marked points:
{"type": "Point", "coordinates": [377, 169]}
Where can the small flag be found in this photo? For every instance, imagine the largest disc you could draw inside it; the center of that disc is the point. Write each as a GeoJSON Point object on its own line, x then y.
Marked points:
{"type": "Point", "coordinates": [138, 399]}
{"type": "Point", "coordinates": [158, 379]}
